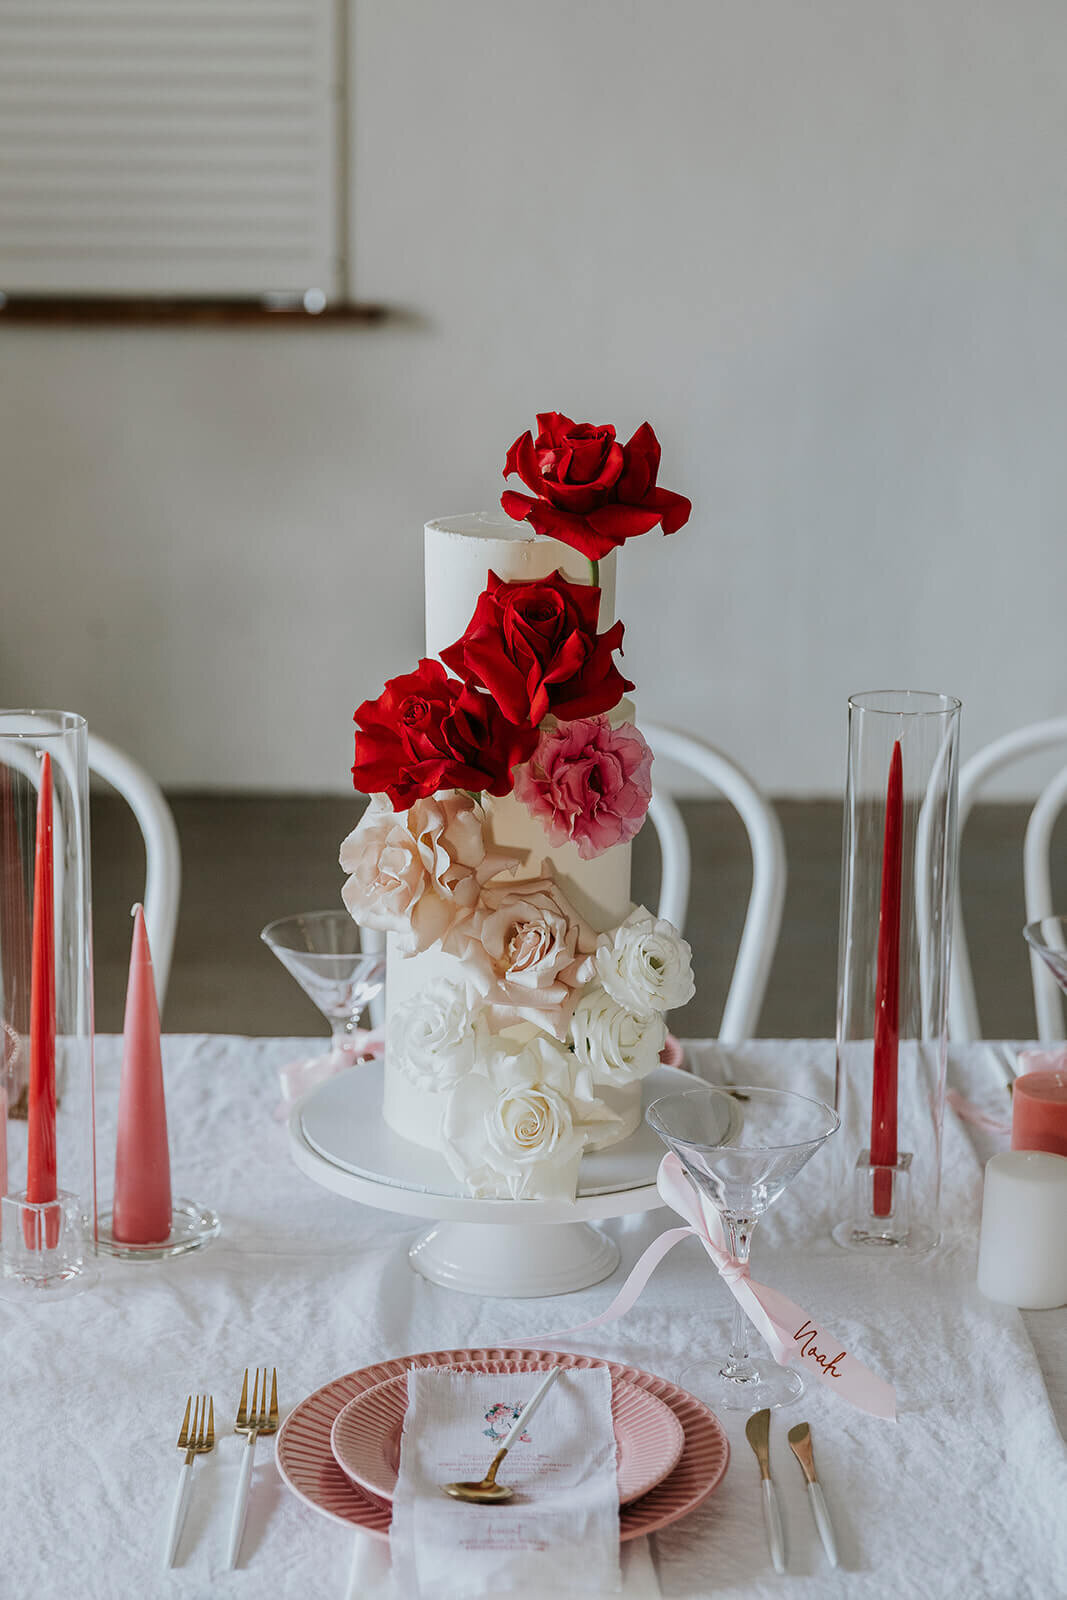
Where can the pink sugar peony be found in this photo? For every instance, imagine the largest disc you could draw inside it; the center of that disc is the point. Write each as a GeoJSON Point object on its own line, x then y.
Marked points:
{"type": "Point", "coordinates": [588, 782]}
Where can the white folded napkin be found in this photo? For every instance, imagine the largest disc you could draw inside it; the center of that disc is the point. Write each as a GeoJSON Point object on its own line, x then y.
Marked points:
{"type": "Point", "coordinates": [558, 1536]}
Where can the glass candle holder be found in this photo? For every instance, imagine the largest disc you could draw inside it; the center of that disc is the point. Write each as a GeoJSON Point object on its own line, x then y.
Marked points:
{"type": "Point", "coordinates": [44, 1247]}
{"type": "Point", "coordinates": [46, 1005]}
{"type": "Point", "coordinates": [897, 882]}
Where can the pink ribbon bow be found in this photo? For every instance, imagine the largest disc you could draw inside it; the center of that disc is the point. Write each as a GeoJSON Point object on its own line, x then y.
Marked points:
{"type": "Point", "coordinates": [967, 1111]}
{"type": "Point", "coordinates": [300, 1077]}
{"type": "Point", "coordinates": [794, 1339]}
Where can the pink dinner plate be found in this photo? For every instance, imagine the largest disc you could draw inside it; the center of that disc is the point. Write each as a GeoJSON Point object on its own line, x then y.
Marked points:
{"type": "Point", "coordinates": [309, 1468]}
{"type": "Point", "coordinates": [365, 1437]}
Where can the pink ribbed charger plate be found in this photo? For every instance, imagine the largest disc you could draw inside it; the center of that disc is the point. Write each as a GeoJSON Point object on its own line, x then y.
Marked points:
{"type": "Point", "coordinates": [307, 1465]}
{"type": "Point", "coordinates": [365, 1437]}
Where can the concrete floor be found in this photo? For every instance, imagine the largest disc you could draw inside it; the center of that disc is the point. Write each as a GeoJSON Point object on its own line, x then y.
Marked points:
{"type": "Point", "coordinates": [248, 859]}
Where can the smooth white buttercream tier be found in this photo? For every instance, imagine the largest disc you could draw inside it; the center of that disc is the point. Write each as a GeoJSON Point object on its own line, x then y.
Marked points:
{"type": "Point", "coordinates": [460, 552]}
{"type": "Point", "coordinates": [599, 890]}
{"type": "Point", "coordinates": [409, 1110]}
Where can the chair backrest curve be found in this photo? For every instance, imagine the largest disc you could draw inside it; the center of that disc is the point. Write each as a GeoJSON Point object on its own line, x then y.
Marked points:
{"type": "Point", "coordinates": [163, 861]}
{"type": "Point", "coordinates": [964, 1021]}
{"type": "Point", "coordinates": [763, 918]}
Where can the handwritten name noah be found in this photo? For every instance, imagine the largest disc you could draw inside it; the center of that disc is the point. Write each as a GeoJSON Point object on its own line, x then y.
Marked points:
{"type": "Point", "coordinates": [806, 1336]}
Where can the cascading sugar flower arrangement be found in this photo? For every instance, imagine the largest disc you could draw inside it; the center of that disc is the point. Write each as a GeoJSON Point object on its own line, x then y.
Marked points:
{"type": "Point", "coordinates": [526, 997]}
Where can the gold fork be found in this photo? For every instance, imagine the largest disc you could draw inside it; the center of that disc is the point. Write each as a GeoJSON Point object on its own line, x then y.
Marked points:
{"type": "Point", "coordinates": [252, 1420]}
{"type": "Point", "coordinates": [196, 1439]}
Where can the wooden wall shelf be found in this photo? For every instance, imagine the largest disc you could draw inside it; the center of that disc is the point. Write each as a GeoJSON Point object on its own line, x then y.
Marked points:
{"type": "Point", "coordinates": [125, 311]}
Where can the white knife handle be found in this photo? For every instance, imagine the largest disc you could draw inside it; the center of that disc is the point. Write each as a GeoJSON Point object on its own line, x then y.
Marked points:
{"type": "Point", "coordinates": [773, 1518]}
{"type": "Point", "coordinates": [823, 1523]}
{"type": "Point", "coordinates": [178, 1510]}
{"type": "Point", "coordinates": [240, 1504]}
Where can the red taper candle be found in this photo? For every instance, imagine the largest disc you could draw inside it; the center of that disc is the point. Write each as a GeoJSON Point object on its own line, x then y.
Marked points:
{"type": "Point", "coordinates": [141, 1210]}
{"type": "Point", "coordinates": [41, 1157]}
{"type": "Point", "coordinates": [14, 965]}
{"type": "Point", "coordinates": [887, 994]}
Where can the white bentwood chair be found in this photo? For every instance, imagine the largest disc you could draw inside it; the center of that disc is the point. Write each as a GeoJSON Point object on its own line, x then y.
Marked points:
{"type": "Point", "coordinates": [163, 860]}
{"type": "Point", "coordinates": [964, 1022]}
{"type": "Point", "coordinates": [763, 918]}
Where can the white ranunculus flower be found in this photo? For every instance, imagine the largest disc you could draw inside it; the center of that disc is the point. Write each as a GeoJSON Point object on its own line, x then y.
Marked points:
{"type": "Point", "coordinates": [617, 1046]}
{"type": "Point", "coordinates": [512, 1132]}
{"type": "Point", "coordinates": [437, 1036]}
{"type": "Point", "coordinates": [645, 964]}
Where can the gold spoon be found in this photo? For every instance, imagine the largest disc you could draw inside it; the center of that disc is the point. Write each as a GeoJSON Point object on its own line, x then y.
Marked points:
{"type": "Point", "coordinates": [488, 1492]}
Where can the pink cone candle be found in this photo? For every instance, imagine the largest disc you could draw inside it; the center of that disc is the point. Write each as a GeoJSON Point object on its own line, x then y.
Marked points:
{"type": "Point", "coordinates": [41, 1110]}
{"type": "Point", "coordinates": [141, 1211]}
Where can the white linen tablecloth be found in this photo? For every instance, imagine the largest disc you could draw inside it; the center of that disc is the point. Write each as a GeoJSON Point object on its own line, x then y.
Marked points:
{"type": "Point", "coordinates": [965, 1496]}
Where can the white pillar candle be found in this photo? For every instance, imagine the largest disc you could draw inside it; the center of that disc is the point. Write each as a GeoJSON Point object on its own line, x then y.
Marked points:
{"type": "Point", "coordinates": [1022, 1251]}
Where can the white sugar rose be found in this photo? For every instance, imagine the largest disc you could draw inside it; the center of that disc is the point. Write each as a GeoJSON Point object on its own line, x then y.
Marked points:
{"type": "Point", "coordinates": [645, 964]}
{"type": "Point", "coordinates": [523, 946]}
{"type": "Point", "coordinates": [617, 1047]}
{"type": "Point", "coordinates": [437, 1036]}
{"type": "Point", "coordinates": [539, 1059]}
{"type": "Point", "coordinates": [418, 873]}
{"type": "Point", "coordinates": [512, 1133]}
{"type": "Point", "coordinates": [548, 1061]}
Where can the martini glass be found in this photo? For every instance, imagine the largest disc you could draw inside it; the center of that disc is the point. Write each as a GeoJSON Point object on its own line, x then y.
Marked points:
{"type": "Point", "coordinates": [1047, 938]}
{"type": "Point", "coordinates": [321, 949]}
{"type": "Point", "coordinates": [742, 1147]}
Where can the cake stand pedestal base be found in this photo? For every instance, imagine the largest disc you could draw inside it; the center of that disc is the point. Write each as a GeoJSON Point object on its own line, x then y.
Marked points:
{"type": "Point", "coordinates": [524, 1261]}
{"type": "Point", "coordinates": [338, 1138]}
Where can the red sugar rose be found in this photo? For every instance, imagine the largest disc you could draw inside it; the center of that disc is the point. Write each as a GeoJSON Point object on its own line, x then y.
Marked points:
{"type": "Point", "coordinates": [590, 491]}
{"type": "Point", "coordinates": [427, 732]}
{"type": "Point", "coordinates": [535, 648]}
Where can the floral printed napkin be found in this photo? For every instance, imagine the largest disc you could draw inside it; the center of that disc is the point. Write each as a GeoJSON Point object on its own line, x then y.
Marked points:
{"type": "Point", "coordinates": [560, 1533]}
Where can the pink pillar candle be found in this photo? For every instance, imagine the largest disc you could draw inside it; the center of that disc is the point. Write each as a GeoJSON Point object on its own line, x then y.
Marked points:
{"type": "Point", "coordinates": [1039, 1109]}
{"type": "Point", "coordinates": [141, 1211]}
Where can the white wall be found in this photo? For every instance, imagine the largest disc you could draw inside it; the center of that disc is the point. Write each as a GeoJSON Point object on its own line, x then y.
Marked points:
{"type": "Point", "coordinates": [821, 246]}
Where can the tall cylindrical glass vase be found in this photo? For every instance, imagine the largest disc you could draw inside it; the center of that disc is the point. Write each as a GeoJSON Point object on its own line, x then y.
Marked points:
{"type": "Point", "coordinates": [46, 1002]}
{"type": "Point", "coordinates": [897, 884]}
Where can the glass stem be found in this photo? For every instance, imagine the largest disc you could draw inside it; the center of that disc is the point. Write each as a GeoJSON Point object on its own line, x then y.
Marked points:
{"type": "Point", "coordinates": [737, 1364]}
{"type": "Point", "coordinates": [341, 1036]}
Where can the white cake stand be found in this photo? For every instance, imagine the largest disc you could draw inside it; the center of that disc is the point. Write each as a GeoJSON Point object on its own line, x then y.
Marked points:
{"type": "Point", "coordinates": [511, 1248]}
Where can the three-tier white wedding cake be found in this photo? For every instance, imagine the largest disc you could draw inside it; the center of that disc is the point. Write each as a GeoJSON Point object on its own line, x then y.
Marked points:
{"type": "Point", "coordinates": [524, 994]}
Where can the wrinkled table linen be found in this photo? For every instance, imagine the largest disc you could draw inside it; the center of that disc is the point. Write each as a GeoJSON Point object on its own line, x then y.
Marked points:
{"type": "Point", "coordinates": [964, 1496]}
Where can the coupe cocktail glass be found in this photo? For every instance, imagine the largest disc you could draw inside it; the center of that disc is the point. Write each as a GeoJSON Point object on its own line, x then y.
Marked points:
{"type": "Point", "coordinates": [742, 1147]}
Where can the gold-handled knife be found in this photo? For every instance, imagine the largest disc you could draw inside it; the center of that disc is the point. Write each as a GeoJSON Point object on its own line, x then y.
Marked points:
{"type": "Point", "coordinates": [758, 1434]}
{"type": "Point", "coordinates": [800, 1444]}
